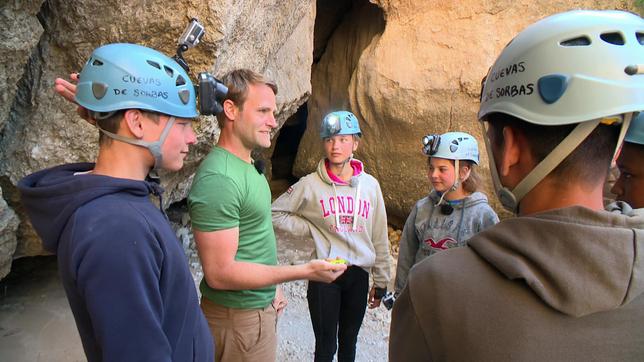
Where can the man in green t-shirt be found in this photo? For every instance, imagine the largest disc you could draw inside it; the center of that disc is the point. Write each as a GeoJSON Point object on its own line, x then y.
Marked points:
{"type": "Point", "coordinates": [230, 208]}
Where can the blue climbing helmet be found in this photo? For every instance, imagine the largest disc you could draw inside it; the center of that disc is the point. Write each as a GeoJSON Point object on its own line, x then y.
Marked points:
{"type": "Point", "coordinates": [452, 146]}
{"type": "Point", "coordinates": [339, 123]}
{"type": "Point", "coordinates": [129, 76]}
{"type": "Point", "coordinates": [583, 67]}
{"type": "Point", "coordinates": [635, 133]}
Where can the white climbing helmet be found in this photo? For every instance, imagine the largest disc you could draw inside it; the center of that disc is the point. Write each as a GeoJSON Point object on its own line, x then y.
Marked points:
{"type": "Point", "coordinates": [569, 68]}
{"type": "Point", "coordinates": [578, 67]}
{"type": "Point", "coordinates": [452, 146]}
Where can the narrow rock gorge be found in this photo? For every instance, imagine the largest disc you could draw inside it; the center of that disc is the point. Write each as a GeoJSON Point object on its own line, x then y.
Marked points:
{"type": "Point", "coordinates": [404, 67]}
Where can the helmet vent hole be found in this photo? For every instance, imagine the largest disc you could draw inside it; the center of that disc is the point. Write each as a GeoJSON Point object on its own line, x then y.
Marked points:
{"type": "Point", "coordinates": [97, 63]}
{"type": "Point", "coordinates": [180, 81]}
{"type": "Point", "coordinates": [168, 71]}
{"type": "Point", "coordinates": [154, 64]}
{"type": "Point", "coordinates": [580, 41]}
{"type": "Point", "coordinates": [613, 38]}
{"type": "Point", "coordinates": [184, 96]}
{"type": "Point", "coordinates": [99, 90]}
{"type": "Point", "coordinates": [640, 38]}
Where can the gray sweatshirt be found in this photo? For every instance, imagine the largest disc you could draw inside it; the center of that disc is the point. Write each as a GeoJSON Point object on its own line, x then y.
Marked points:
{"type": "Point", "coordinates": [348, 221]}
{"type": "Point", "coordinates": [427, 231]}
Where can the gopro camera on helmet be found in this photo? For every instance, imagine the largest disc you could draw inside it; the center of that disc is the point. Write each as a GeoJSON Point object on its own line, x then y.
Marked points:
{"type": "Point", "coordinates": [192, 35]}
{"type": "Point", "coordinates": [211, 92]}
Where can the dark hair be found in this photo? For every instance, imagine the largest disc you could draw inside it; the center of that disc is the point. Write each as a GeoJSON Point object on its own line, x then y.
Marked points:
{"type": "Point", "coordinates": [588, 161]}
{"type": "Point", "coordinates": [113, 122]}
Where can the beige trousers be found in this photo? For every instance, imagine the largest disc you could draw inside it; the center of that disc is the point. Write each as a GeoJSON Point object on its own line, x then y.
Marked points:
{"type": "Point", "coordinates": [242, 334]}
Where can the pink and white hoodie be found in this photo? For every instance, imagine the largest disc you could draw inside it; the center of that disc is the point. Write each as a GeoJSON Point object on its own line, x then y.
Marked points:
{"type": "Point", "coordinates": [345, 220]}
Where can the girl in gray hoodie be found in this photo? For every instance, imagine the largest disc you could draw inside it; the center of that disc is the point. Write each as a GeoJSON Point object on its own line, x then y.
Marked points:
{"type": "Point", "coordinates": [453, 211]}
{"type": "Point", "coordinates": [341, 207]}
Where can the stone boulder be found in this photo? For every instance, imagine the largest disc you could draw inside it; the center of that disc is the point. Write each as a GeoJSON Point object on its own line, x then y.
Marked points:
{"type": "Point", "coordinates": [45, 40]}
{"type": "Point", "coordinates": [405, 68]}
{"type": "Point", "coordinates": [410, 68]}
{"type": "Point", "coordinates": [8, 241]}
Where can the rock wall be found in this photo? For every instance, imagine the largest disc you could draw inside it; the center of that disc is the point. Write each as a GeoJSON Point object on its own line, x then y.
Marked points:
{"type": "Point", "coordinates": [43, 40]}
{"type": "Point", "coordinates": [405, 67]}
{"type": "Point", "coordinates": [8, 241]}
{"type": "Point", "coordinates": [409, 68]}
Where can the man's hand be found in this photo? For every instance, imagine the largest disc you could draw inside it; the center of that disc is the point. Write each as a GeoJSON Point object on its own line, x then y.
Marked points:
{"type": "Point", "coordinates": [67, 89]}
{"type": "Point", "coordinates": [323, 271]}
{"type": "Point", "coordinates": [280, 302]}
{"type": "Point", "coordinates": [374, 302]}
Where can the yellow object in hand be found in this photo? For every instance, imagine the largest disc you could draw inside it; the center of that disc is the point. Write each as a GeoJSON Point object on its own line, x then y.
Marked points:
{"type": "Point", "coordinates": [337, 261]}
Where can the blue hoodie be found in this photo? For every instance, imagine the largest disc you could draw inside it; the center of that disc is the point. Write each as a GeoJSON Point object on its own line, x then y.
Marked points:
{"type": "Point", "coordinates": [123, 268]}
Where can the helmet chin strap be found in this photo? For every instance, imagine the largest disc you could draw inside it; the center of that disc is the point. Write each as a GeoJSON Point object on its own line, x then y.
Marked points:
{"type": "Point", "coordinates": [345, 162]}
{"type": "Point", "coordinates": [510, 199]}
{"type": "Point", "coordinates": [153, 147]}
{"type": "Point", "coordinates": [628, 118]}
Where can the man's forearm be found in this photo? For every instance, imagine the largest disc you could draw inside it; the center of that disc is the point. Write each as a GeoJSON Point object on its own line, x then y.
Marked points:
{"type": "Point", "coordinates": [240, 275]}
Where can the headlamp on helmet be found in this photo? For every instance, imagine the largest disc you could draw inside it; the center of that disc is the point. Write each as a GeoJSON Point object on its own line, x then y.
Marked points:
{"type": "Point", "coordinates": [430, 144]}
{"type": "Point", "coordinates": [339, 123]}
{"type": "Point", "coordinates": [452, 146]}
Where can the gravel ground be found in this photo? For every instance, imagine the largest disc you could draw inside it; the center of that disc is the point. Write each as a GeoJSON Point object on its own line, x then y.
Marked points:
{"type": "Point", "coordinates": [296, 340]}
{"type": "Point", "coordinates": [295, 334]}
{"type": "Point", "coordinates": [36, 323]}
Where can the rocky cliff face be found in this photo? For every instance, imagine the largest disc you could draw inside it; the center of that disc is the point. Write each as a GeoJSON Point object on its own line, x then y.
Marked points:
{"type": "Point", "coordinates": [406, 68]}
{"type": "Point", "coordinates": [411, 68]}
{"type": "Point", "coordinates": [44, 40]}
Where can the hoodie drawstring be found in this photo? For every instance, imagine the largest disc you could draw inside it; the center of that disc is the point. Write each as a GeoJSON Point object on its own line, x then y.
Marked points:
{"type": "Point", "coordinates": [355, 206]}
{"type": "Point", "coordinates": [460, 223]}
{"type": "Point", "coordinates": [337, 211]}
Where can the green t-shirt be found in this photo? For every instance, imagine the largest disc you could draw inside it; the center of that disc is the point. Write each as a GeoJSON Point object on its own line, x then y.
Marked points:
{"type": "Point", "coordinates": [228, 192]}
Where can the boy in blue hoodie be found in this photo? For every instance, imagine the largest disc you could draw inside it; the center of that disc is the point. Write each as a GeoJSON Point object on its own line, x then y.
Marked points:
{"type": "Point", "coordinates": [122, 267]}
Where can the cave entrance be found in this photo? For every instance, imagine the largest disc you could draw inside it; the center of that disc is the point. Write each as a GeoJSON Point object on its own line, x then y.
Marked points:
{"type": "Point", "coordinates": [330, 17]}
{"type": "Point", "coordinates": [286, 146]}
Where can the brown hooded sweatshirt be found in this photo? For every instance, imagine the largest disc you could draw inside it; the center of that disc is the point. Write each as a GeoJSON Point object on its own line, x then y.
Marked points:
{"type": "Point", "coordinates": [563, 285]}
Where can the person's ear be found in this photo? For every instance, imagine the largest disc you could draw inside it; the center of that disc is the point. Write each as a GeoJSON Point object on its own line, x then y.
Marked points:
{"type": "Point", "coordinates": [355, 143]}
{"type": "Point", "coordinates": [230, 109]}
{"type": "Point", "coordinates": [133, 121]}
{"type": "Point", "coordinates": [511, 151]}
{"type": "Point", "coordinates": [465, 172]}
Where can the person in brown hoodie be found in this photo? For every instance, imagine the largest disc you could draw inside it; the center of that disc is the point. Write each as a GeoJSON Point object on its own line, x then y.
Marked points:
{"type": "Point", "coordinates": [565, 279]}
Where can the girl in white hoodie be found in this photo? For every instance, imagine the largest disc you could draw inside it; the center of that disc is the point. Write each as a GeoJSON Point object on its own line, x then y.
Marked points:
{"type": "Point", "coordinates": [342, 209]}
